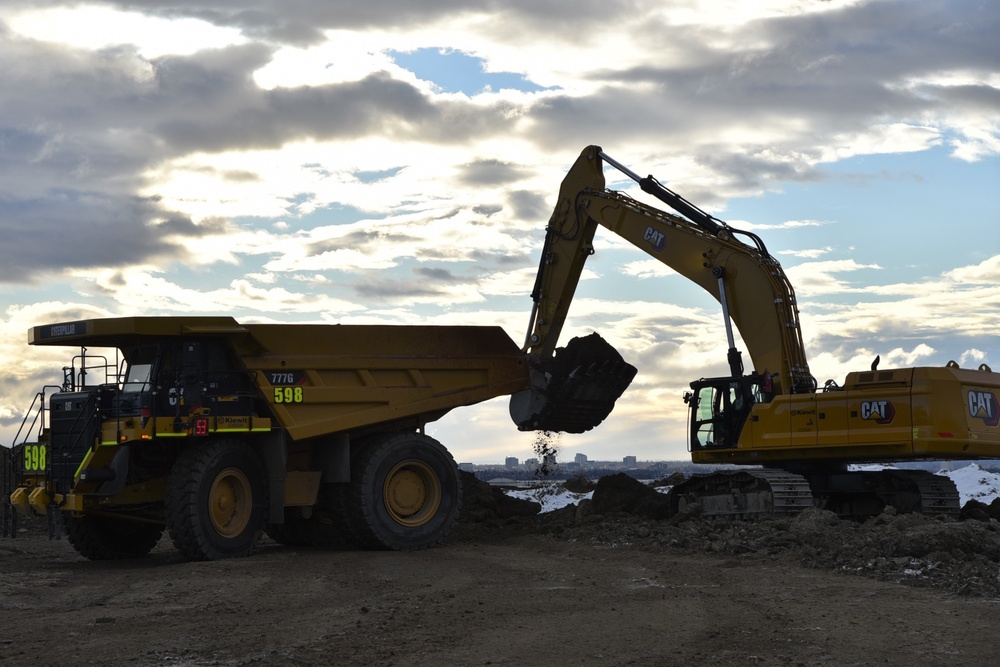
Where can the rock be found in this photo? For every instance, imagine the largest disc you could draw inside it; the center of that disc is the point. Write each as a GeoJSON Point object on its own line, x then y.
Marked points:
{"type": "Point", "coordinates": [621, 493]}
{"type": "Point", "coordinates": [974, 511]}
{"type": "Point", "coordinates": [482, 502]}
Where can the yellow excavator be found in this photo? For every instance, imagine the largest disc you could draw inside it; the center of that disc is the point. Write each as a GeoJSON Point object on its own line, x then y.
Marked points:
{"type": "Point", "coordinates": [798, 441]}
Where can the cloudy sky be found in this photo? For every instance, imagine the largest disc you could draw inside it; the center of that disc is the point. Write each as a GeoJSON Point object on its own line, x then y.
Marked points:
{"type": "Point", "coordinates": [396, 162]}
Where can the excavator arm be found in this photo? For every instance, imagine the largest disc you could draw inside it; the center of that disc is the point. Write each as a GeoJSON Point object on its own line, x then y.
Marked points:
{"type": "Point", "coordinates": [748, 282]}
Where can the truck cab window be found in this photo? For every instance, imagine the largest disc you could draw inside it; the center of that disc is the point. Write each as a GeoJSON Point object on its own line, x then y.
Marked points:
{"type": "Point", "coordinates": [137, 377]}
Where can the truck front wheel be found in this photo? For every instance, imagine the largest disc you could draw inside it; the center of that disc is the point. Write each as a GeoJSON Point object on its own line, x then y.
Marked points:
{"type": "Point", "coordinates": [405, 493]}
{"type": "Point", "coordinates": [216, 500]}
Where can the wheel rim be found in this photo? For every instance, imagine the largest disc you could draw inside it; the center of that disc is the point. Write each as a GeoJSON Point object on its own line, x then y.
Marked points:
{"type": "Point", "coordinates": [230, 502]}
{"type": "Point", "coordinates": [412, 493]}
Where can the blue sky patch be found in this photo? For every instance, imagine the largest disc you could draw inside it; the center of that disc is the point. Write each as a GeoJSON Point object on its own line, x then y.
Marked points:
{"type": "Point", "coordinates": [376, 175]}
{"type": "Point", "coordinates": [456, 72]}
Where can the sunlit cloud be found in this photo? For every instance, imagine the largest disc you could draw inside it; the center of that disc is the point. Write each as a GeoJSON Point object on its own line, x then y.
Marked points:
{"type": "Point", "coordinates": [93, 27]}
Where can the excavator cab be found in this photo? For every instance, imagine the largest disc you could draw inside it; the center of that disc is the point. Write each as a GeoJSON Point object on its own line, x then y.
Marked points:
{"type": "Point", "coordinates": [719, 408]}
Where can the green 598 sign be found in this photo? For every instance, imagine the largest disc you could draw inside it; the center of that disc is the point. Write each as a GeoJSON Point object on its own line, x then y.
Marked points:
{"type": "Point", "coordinates": [35, 458]}
{"type": "Point", "coordinates": [288, 395]}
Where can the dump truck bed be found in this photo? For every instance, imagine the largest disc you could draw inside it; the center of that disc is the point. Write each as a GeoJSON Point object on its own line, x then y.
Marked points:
{"type": "Point", "coordinates": [324, 379]}
{"type": "Point", "coordinates": [353, 375]}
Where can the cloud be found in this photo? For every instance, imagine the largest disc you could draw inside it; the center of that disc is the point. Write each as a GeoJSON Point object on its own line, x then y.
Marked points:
{"type": "Point", "coordinates": [811, 253]}
{"type": "Point", "coordinates": [986, 272]}
{"type": "Point", "coordinates": [943, 318]}
{"type": "Point", "coordinates": [71, 229]}
{"type": "Point", "coordinates": [817, 278]}
{"type": "Point", "coordinates": [647, 268]}
{"type": "Point", "coordinates": [491, 173]}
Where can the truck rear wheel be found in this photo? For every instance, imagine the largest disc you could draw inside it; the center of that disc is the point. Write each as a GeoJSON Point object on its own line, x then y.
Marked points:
{"type": "Point", "coordinates": [216, 500]}
{"type": "Point", "coordinates": [405, 493]}
{"type": "Point", "coordinates": [106, 538]}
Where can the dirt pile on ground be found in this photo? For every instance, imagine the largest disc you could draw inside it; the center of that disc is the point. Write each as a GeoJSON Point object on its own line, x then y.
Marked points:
{"type": "Point", "coordinates": [621, 493]}
{"type": "Point", "coordinates": [483, 503]}
{"type": "Point", "coordinates": [961, 556]}
{"type": "Point", "coordinates": [981, 511]}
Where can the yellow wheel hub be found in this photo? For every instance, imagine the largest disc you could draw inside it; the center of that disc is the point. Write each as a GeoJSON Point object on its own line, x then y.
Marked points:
{"type": "Point", "coordinates": [412, 493]}
{"type": "Point", "coordinates": [230, 502]}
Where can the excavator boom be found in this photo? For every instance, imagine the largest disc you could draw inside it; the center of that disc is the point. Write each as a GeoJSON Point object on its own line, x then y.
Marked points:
{"type": "Point", "coordinates": [749, 283]}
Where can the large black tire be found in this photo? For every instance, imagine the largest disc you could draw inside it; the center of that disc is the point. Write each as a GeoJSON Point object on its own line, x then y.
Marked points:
{"type": "Point", "coordinates": [405, 493]}
{"type": "Point", "coordinates": [216, 501]}
{"type": "Point", "coordinates": [107, 538]}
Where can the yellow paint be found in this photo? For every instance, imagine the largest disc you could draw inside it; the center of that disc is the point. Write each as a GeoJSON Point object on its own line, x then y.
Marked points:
{"type": "Point", "coordinates": [19, 499]}
{"type": "Point", "coordinates": [39, 499]}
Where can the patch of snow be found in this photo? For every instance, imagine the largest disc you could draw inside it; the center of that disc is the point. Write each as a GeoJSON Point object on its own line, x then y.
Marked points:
{"type": "Point", "coordinates": [974, 483]}
{"type": "Point", "coordinates": [550, 496]}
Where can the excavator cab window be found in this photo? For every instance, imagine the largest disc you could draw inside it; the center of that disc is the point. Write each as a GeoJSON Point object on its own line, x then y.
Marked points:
{"type": "Point", "coordinates": [719, 408]}
{"type": "Point", "coordinates": [702, 418]}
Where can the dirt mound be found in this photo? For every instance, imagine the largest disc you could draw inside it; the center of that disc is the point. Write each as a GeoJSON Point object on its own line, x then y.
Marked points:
{"type": "Point", "coordinates": [980, 511]}
{"type": "Point", "coordinates": [483, 503]}
{"type": "Point", "coordinates": [961, 556]}
{"type": "Point", "coordinates": [621, 493]}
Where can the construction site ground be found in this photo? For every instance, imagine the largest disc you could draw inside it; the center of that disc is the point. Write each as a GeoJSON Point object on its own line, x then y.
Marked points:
{"type": "Point", "coordinates": [511, 587]}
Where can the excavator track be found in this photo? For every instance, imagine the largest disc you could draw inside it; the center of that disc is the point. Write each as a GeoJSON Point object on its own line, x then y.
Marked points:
{"type": "Point", "coordinates": [937, 494]}
{"type": "Point", "coordinates": [858, 495]}
{"type": "Point", "coordinates": [864, 493]}
{"type": "Point", "coordinates": [742, 494]}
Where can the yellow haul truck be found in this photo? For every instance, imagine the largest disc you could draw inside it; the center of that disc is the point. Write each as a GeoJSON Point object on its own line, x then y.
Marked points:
{"type": "Point", "coordinates": [774, 416]}
{"type": "Point", "coordinates": [217, 431]}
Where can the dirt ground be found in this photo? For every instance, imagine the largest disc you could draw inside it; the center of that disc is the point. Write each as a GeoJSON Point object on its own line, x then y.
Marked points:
{"type": "Point", "coordinates": [563, 588]}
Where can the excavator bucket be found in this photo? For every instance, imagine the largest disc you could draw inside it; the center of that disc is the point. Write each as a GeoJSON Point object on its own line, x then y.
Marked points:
{"type": "Point", "coordinates": [575, 390]}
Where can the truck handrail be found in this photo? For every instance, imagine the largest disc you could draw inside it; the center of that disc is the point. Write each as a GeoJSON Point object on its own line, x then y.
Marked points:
{"type": "Point", "coordinates": [71, 375]}
{"type": "Point", "coordinates": [39, 417]}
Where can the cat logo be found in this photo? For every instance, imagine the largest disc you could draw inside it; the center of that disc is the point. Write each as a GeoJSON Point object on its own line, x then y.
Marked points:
{"type": "Point", "coordinates": [983, 405]}
{"type": "Point", "coordinates": [656, 239]}
{"type": "Point", "coordinates": [880, 412]}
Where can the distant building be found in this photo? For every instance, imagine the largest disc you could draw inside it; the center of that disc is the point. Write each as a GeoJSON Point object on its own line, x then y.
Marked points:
{"type": "Point", "coordinates": [580, 458]}
{"type": "Point", "coordinates": [531, 463]}
{"type": "Point", "coordinates": [629, 461]}
{"type": "Point", "coordinates": [510, 462]}
{"type": "Point", "coordinates": [467, 467]}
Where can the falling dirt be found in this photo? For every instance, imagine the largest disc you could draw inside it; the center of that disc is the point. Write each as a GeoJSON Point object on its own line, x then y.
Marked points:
{"type": "Point", "coordinates": [603, 582]}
